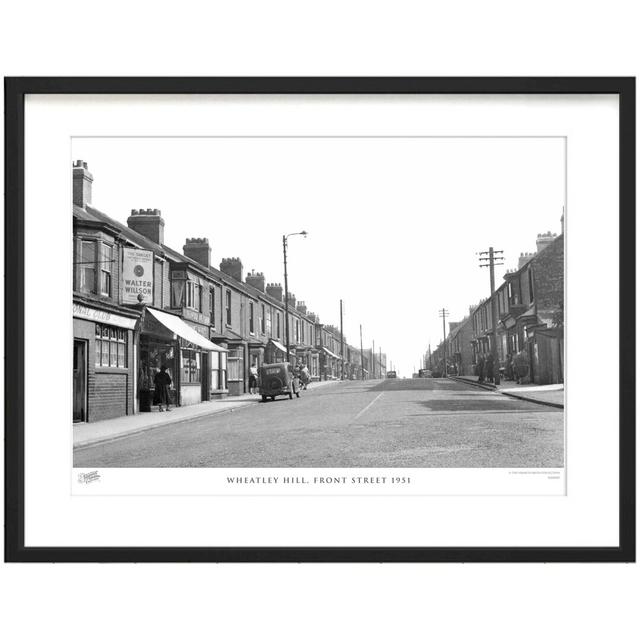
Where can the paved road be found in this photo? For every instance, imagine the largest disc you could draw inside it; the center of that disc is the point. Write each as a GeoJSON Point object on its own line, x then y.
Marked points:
{"type": "Point", "coordinates": [390, 423]}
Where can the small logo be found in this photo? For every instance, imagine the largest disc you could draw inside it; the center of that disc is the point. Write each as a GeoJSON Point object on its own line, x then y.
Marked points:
{"type": "Point", "coordinates": [86, 478]}
{"type": "Point", "coordinates": [138, 270]}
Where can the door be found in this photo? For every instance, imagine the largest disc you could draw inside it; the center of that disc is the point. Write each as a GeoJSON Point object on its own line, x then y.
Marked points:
{"type": "Point", "coordinates": [79, 381]}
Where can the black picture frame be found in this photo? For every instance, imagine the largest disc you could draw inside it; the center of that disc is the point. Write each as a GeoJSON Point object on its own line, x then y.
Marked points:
{"type": "Point", "coordinates": [15, 91]}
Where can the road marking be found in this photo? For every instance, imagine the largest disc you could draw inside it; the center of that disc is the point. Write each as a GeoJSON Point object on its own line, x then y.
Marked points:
{"type": "Point", "coordinates": [369, 405]}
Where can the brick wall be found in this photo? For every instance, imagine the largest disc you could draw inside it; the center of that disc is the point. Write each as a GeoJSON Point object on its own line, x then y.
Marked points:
{"type": "Point", "coordinates": [110, 392]}
{"type": "Point", "coordinates": [107, 395]}
{"type": "Point", "coordinates": [548, 272]}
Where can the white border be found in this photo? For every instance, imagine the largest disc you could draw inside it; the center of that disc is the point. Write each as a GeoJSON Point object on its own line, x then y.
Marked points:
{"type": "Point", "coordinates": [587, 516]}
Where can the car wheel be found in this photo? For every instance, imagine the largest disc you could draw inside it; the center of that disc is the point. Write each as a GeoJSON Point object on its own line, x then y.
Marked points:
{"type": "Point", "coordinates": [264, 398]}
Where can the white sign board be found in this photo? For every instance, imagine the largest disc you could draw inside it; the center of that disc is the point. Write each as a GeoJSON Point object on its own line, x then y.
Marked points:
{"type": "Point", "coordinates": [137, 276]}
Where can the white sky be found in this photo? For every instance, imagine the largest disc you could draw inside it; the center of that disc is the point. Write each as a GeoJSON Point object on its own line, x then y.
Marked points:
{"type": "Point", "coordinates": [394, 224]}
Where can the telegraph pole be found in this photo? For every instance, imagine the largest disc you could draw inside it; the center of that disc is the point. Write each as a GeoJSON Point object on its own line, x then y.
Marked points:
{"type": "Point", "coordinates": [443, 314]}
{"type": "Point", "coordinates": [361, 355]}
{"type": "Point", "coordinates": [373, 359]}
{"type": "Point", "coordinates": [341, 343]}
{"type": "Point", "coordinates": [495, 257]}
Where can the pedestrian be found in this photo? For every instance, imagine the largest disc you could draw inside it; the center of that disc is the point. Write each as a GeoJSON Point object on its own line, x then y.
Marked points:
{"type": "Point", "coordinates": [162, 384]}
{"type": "Point", "coordinates": [480, 368]}
{"type": "Point", "coordinates": [305, 377]}
{"type": "Point", "coordinates": [489, 369]}
{"type": "Point", "coordinates": [253, 378]}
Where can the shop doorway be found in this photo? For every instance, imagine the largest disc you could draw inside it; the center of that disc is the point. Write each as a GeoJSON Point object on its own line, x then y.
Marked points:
{"type": "Point", "coordinates": [79, 381]}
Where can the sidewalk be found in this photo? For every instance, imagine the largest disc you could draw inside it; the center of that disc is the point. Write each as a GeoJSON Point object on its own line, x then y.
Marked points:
{"type": "Point", "coordinates": [85, 434]}
{"type": "Point", "coordinates": [548, 394]}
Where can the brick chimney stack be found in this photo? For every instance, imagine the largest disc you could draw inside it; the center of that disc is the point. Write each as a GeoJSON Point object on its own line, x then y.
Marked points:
{"type": "Point", "coordinates": [274, 290]}
{"type": "Point", "coordinates": [524, 258]}
{"type": "Point", "coordinates": [82, 182]}
{"type": "Point", "coordinates": [198, 249]}
{"type": "Point", "coordinates": [147, 222]}
{"type": "Point", "coordinates": [292, 300]}
{"type": "Point", "coordinates": [301, 307]}
{"type": "Point", "coordinates": [256, 280]}
{"type": "Point", "coordinates": [232, 267]}
{"type": "Point", "coordinates": [544, 240]}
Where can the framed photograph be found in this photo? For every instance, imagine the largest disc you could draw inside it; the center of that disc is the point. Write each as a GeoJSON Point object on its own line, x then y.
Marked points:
{"type": "Point", "coordinates": [320, 319]}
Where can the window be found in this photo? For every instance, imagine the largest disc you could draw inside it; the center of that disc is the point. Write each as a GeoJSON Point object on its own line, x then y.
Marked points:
{"type": "Point", "coordinates": [530, 285]}
{"type": "Point", "coordinates": [234, 364]}
{"type": "Point", "coordinates": [251, 323]}
{"type": "Point", "coordinates": [111, 347]}
{"type": "Point", "coordinates": [212, 306]}
{"type": "Point", "coordinates": [87, 263]}
{"type": "Point", "coordinates": [189, 365]}
{"type": "Point", "coordinates": [194, 296]}
{"type": "Point", "coordinates": [301, 331]}
{"type": "Point", "coordinates": [269, 319]}
{"type": "Point", "coordinates": [278, 326]}
{"type": "Point", "coordinates": [262, 321]}
{"type": "Point", "coordinates": [297, 331]}
{"type": "Point", "coordinates": [106, 260]}
{"type": "Point", "coordinates": [228, 308]}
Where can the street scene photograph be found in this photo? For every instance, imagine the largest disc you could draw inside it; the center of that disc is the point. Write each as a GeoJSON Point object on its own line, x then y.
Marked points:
{"type": "Point", "coordinates": [318, 302]}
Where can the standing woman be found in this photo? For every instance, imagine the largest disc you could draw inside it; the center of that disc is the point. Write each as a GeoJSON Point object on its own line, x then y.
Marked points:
{"type": "Point", "coordinates": [162, 383]}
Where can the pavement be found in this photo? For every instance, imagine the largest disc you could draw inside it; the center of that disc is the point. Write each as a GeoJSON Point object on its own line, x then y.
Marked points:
{"type": "Point", "coordinates": [105, 430]}
{"type": "Point", "coordinates": [411, 423]}
{"type": "Point", "coordinates": [551, 395]}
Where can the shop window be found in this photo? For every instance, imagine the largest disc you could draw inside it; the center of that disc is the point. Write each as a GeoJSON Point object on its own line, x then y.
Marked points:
{"type": "Point", "coordinates": [111, 347]}
{"type": "Point", "coordinates": [218, 370]}
{"type": "Point", "coordinates": [190, 366]}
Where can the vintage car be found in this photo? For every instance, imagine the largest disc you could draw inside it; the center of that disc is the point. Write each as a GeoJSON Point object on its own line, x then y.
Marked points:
{"type": "Point", "coordinates": [392, 374]}
{"type": "Point", "coordinates": [278, 379]}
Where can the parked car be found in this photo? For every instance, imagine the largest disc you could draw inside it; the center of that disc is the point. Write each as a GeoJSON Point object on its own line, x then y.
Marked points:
{"type": "Point", "coordinates": [278, 379]}
{"type": "Point", "coordinates": [392, 374]}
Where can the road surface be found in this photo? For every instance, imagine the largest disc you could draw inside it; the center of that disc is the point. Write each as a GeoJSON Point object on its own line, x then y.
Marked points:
{"type": "Point", "coordinates": [388, 423]}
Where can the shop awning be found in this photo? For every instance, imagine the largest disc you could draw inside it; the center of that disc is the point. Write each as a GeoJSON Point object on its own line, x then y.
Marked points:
{"type": "Point", "coordinates": [330, 353]}
{"type": "Point", "coordinates": [180, 327]}
{"type": "Point", "coordinates": [279, 346]}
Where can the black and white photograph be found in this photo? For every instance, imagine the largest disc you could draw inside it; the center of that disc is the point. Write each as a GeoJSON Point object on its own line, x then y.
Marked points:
{"type": "Point", "coordinates": [357, 316]}
{"type": "Point", "coordinates": [317, 302]}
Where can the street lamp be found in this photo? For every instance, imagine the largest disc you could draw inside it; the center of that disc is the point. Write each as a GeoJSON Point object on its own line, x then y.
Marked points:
{"type": "Point", "coordinates": [286, 288]}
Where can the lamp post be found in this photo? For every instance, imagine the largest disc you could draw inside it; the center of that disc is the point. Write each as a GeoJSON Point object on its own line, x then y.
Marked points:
{"type": "Point", "coordinates": [286, 289]}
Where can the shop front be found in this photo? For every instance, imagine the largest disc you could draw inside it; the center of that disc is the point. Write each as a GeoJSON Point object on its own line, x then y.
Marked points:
{"type": "Point", "coordinates": [274, 351]}
{"type": "Point", "coordinates": [103, 362]}
{"type": "Point", "coordinates": [168, 341]}
{"type": "Point", "coordinates": [330, 364]}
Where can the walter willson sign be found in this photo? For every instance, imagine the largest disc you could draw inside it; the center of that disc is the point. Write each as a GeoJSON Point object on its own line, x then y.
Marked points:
{"type": "Point", "coordinates": [137, 276]}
